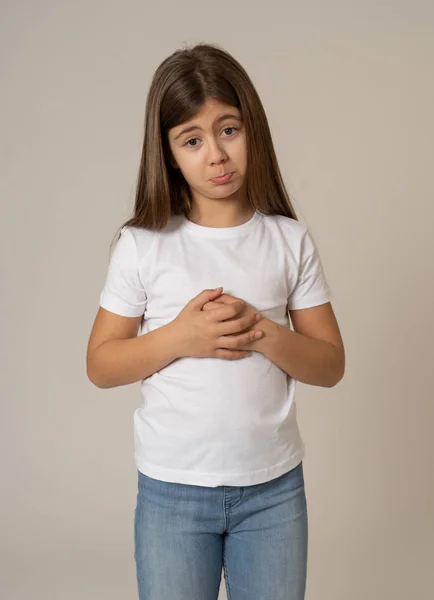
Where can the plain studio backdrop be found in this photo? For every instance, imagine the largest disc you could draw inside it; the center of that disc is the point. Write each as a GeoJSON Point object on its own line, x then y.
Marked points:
{"type": "Point", "coordinates": [348, 88]}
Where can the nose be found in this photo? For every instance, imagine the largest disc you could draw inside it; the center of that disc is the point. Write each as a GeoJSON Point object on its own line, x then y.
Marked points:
{"type": "Point", "coordinates": [216, 153]}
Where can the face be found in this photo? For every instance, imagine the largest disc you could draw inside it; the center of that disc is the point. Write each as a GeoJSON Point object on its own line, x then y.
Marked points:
{"type": "Point", "coordinates": [212, 144]}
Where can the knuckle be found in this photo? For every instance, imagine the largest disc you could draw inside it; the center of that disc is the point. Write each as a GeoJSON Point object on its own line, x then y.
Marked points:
{"type": "Point", "coordinates": [234, 308]}
{"type": "Point", "coordinates": [209, 318]}
{"type": "Point", "coordinates": [232, 342]}
{"type": "Point", "coordinates": [240, 341]}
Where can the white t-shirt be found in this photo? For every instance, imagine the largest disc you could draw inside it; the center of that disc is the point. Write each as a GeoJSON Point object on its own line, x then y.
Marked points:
{"type": "Point", "coordinates": [211, 421]}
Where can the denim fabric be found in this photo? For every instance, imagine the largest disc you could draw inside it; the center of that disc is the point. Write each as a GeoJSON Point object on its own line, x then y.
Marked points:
{"type": "Point", "coordinates": [186, 535]}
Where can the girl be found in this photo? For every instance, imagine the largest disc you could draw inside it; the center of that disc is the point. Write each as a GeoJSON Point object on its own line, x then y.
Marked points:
{"type": "Point", "coordinates": [208, 268]}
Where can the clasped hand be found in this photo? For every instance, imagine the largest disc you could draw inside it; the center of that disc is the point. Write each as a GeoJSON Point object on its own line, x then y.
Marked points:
{"type": "Point", "coordinates": [217, 325]}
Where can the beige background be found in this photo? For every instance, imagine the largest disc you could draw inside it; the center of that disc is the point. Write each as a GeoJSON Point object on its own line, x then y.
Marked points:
{"type": "Point", "coordinates": [349, 91]}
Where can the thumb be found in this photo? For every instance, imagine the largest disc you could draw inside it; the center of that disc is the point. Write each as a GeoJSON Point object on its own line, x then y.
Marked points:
{"type": "Point", "coordinates": [205, 296]}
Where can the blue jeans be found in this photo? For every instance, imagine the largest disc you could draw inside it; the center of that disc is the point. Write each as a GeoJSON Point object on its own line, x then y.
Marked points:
{"type": "Point", "coordinates": [185, 535]}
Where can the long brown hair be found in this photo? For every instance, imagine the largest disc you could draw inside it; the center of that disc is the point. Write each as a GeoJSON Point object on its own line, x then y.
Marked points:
{"type": "Point", "coordinates": [180, 86]}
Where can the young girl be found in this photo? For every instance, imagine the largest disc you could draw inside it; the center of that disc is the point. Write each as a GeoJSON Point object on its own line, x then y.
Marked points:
{"type": "Point", "coordinates": [207, 269]}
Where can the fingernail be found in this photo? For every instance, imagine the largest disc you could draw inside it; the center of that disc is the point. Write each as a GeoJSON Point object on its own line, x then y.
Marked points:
{"type": "Point", "coordinates": [258, 317]}
{"type": "Point", "coordinates": [258, 334]}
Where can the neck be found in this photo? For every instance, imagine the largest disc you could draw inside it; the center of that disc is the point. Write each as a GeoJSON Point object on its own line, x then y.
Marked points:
{"type": "Point", "coordinates": [220, 213]}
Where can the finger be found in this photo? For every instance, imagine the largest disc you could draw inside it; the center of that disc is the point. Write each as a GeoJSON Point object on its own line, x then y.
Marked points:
{"type": "Point", "coordinates": [228, 299]}
{"type": "Point", "coordinates": [221, 301]}
{"type": "Point", "coordinates": [237, 325]}
{"type": "Point", "coordinates": [212, 304]}
{"type": "Point", "coordinates": [227, 311]}
{"type": "Point", "coordinates": [234, 342]}
{"type": "Point", "coordinates": [205, 296]}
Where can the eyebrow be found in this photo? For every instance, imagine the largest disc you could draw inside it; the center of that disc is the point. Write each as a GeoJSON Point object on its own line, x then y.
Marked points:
{"type": "Point", "coordinates": [221, 118]}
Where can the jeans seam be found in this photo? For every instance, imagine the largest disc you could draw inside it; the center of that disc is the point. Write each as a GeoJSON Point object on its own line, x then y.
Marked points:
{"type": "Point", "coordinates": [226, 574]}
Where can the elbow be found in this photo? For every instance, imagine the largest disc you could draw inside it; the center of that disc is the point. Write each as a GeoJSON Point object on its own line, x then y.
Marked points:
{"type": "Point", "coordinates": [335, 381]}
{"type": "Point", "coordinates": [93, 379]}
{"type": "Point", "coordinates": [340, 375]}
{"type": "Point", "coordinates": [94, 376]}
{"type": "Point", "coordinates": [97, 383]}
{"type": "Point", "coordinates": [339, 370]}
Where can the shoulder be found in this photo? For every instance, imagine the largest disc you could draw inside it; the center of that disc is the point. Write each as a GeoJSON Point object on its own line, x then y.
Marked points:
{"type": "Point", "coordinates": [285, 227]}
{"type": "Point", "coordinates": [293, 237]}
{"type": "Point", "coordinates": [134, 243]}
{"type": "Point", "coordinates": [144, 241]}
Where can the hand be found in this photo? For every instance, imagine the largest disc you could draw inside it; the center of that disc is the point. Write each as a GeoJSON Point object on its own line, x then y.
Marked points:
{"type": "Point", "coordinates": [254, 345]}
{"type": "Point", "coordinates": [248, 309]}
{"type": "Point", "coordinates": [213, 333]}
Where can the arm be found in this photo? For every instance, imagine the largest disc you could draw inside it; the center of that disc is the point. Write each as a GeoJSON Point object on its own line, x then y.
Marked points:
{"type": "Point", "coordinates": [313, 353]}
{"type": "Point", "coordinates": [116, 357]}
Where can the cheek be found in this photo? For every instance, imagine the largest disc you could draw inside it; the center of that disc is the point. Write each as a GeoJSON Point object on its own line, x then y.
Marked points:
{"type": "Point", "coordinates": [185, 161]}
{"type": "Point", "coordinates": [189, 166]}
{"type": "Point", "coordinates": [241, 157]}
{"type": "Point", "coordinates": [239, 151]}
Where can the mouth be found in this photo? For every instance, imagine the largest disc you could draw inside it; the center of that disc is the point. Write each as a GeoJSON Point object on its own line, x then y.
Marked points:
{"type": "Point", "coordinates": [222, 178]}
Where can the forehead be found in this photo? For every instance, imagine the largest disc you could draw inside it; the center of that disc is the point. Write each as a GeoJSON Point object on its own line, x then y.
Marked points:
{"type": "Point", "coordinates": [210, 111]}
{"type": "Point", "coordinates": [214, 108]}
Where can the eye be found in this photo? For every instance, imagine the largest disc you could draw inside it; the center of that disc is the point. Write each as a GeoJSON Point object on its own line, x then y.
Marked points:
{"type": "Point", "coordinates": [230, 129]}
{"type": "Point", "coordinates": [187, 143]}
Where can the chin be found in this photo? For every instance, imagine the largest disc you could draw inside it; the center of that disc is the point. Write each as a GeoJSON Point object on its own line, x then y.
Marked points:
{"type": "Point", "coordinates": [226, 192]}
{"type": "Point", "coordinates": [226, 196]}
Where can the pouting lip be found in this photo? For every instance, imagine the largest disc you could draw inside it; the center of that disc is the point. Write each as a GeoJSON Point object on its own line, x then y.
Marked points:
{"type": "Point", "coordinates": [221, 176]}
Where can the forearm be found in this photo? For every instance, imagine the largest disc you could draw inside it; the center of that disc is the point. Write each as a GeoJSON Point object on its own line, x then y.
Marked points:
{"type": "Point", "coordinates": [120, 362]}
{"type": "Point", "coordinates": [306, 359]}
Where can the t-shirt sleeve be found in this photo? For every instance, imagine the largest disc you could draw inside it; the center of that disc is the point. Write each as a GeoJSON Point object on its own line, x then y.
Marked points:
{"type": "Point", "coordinates": [123, 292]}
{"type": "Point", "coordinates": [311, 288]}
